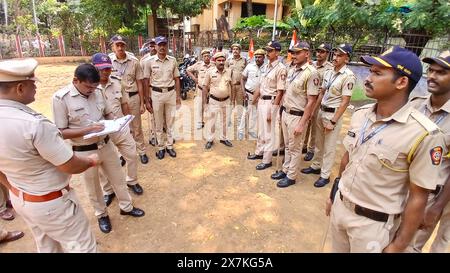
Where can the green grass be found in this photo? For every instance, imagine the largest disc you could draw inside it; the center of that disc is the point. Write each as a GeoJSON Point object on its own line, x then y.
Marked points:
{"type": "Point", "coordinates": [358, 94]}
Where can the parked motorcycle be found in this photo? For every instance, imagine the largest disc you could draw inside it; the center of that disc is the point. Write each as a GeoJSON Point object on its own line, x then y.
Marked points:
{"type": "Point", "coordinates": [186, 82]}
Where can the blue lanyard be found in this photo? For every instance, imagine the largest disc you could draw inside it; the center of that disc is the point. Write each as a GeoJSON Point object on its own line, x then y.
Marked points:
{"type": "Point", "coordinates": [439, 119]}
{"type": "Point", "coordinates": [374, 132]}
{"type": "Point", "coordinates": [293, 77]}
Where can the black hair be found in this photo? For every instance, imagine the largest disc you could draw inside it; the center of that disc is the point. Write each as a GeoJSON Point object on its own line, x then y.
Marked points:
{"type": "Point", "coordinates": [220, 47]}
{"type": "Point", "coordinates": [411, 83]}
{"type": "Point", "coordinates": [4, 86]}
{"type": "Point", "coordinates": [87, 73]}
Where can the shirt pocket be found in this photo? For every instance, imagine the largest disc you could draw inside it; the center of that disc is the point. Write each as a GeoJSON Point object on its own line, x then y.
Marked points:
{"type": "Point", "coordinates": [299, 86]}
{"type": "Point", "coordinates": [156, 71]}
{"type": "Point", "coordinates": [387, 159]}
{"type": "Point", "coordinates": [78, 115]}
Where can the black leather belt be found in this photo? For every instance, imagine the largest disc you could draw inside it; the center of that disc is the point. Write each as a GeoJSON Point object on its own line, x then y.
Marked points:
{"type": "Point", "coordinates": [90, 147]}
{"type": "Point", "coordinates": [130, 94]}
{"type": "Point", "coordinates": [293, 112]}
{"type": "Point", "coordinates": [266, 97]}
{"type": "Point", "coordinates": [248, 91]}
{"type": "Point", "coordinates": [371, 214]}
{"type": "Point", "coordinates": [160, 90]}
{"type": "Point", "coordinates": [218, 99]}
{"type": "Point", "coordinates": [437, 190]}
{"type": "Point", "coordinates": [327, 109]}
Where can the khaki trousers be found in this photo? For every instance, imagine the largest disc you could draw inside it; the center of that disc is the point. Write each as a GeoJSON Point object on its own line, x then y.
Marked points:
{"type": "Point", "coordinates": [214, 108]}
{"type": "Point", "coordinates": [325, 144]}
{"type": "Point", "coordinates": [310, 138]}
{"type": "Point", "coordinates": [110, 167]}
{"type": "Point", "coordinates": [58, 225]}
{"type": "Point", "coordinates": [4, 195]}
{"type": "Point", "coordinates": [267, 138]}
{"type": "Point", "coordinates": [293, 145]}
{"type": "Point", "coordinates": [164, 105]}
{"type": "Point", "coordinates": [134, 104]}
{"type": "Point", "coordinates": [127, 148]}
{"type": "Point", "coordinates": [441, 241]}
{"type": "Point", "coordinates": [151, 125]}
{"type": "Point", "coordinates": [351, 232]}
{"type": "Point", "coordinates": [198, 107]}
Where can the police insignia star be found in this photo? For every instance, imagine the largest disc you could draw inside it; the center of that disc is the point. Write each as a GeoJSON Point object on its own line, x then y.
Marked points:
{"type": "Point", "coordinates": [436, 155]}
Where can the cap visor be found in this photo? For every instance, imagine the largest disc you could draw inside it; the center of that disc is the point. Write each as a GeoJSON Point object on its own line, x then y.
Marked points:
{"type": "Point", "coordinates": [269, 48]}
{"type": "Point", "coordinates": [374, 61]}
{"type": "Point", "coordinates": [119, 42]}
{"type": "Point", "coordinates": [438, 61]}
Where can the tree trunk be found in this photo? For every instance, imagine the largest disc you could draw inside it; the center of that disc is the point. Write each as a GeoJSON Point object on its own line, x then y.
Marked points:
{"type": "Point", "coordinates": [154, 6]}
{"type": "Point", "coordinates": [249, 8]}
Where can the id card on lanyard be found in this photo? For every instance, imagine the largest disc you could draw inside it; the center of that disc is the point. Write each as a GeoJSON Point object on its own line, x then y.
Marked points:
{"type": "Point", "coordinates": [327, 88]}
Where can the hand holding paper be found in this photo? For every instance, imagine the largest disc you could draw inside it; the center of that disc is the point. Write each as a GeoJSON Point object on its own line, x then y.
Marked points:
{"type": "Point", "coordinates": [112, 126]}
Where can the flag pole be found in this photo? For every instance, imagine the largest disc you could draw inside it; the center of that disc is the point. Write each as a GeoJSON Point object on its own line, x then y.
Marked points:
{"type": "Point", "coordinates": [275, 20]}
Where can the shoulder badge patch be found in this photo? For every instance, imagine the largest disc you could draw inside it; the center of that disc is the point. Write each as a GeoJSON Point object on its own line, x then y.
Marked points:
{"type": "Point", "coordinates": [283, 77]}
{"type": "Point", "coordinates": [350, 86]}
{"type": "Point", "coordinates": [351, 134]}
{"type": "Point", "coordinates": [436, 155]}
{"type": "Point", "coordinates": [316, 81]}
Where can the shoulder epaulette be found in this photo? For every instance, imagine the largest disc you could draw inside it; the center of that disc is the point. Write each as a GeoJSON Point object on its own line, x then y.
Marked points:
{"type": "Point", "coordinates": [426, 123]}
{"type": "Point", "coordinates": [61, 93]}
{"type": "Point", "coordinates": [417, 98]}
{"type": "Point", "coordinates": [115, 77]}
{"type": "Point", "coordinates": [365, 106]}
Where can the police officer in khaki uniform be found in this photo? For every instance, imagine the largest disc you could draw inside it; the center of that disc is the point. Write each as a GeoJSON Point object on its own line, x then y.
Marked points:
{"type": "Point", "coordinates": [117, 100]}
{"type": "Point", "coordinates": [197, 72]}
{"type": "Point", "coordinates": [37, 165]}
{"type": "Point", "coordinates": [78, 110]}
{"type": "Point", "coordinates": [217, 84]}
{"type": "Point", "coordinates": [393, 160]}
{"type": "Point", "coordinates": [150, 49]}
{"type": "Point", "coordinates": [236, 64]}
{"type": "Point", "coordinates": [437, 107]}
{"type": "Point", "coordinates": [322, 65]}
{"type": "Point", "coordinates": [337, 87]}
{"type": "Point", "coordinates": [161, 73]}
{"type": "Point", "coordinates": [269, 95]}
{"type": "Point", "coordinates": [128, 69]}
{"type": "Point", "coordinates": [298, 104]}
{"type": "Point", "coordinates": [251, 77]}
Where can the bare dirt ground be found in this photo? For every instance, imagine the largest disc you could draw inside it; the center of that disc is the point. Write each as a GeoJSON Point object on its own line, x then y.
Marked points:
{"type": "Point", "coordinates": [201, 201]}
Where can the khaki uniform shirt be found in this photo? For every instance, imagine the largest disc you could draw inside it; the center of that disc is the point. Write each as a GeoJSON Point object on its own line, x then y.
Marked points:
{"type": "Point", "coordinates": [73, 110]}
{"type": "Point", "coordinates": [32, 147]}
{"type": "Point", "coordinates": [236, 66]}
{"type": "Point", "coordinates": [323, 68]}
{"type": "Point", "coordinates": [441, 117]}
{"type": "Point", "coordinates": [301, 83]}
{"type": "Point", "coordinates": [337, 85]}
{"type": "Point", "coordinates": [200, 69]}
{"type": "Point", "coordinates": [114, 95]}
{"type": "Point", "coordinates": [161, 72]}
{"type": "Point", "coordinates": [378, 173]}
{"type": "Point", "coordinates": [143, 59]}
{"type": "Point", "coordinates": [128, 70]}
{"type": "Point", "coordinates": [253, 74]}
{"type": "Point", "coordinates": [218, 83]}
{"type": "Point", "coordinates": [273, 78]}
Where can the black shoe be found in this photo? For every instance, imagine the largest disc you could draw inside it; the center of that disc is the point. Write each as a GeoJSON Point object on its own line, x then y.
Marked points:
{"type": "Point", "coordinates": [262, 166]}
{"type": "Point", "coordinates": [254, 156]}
{"type": "Point", "coordinates": [122, 161]}
{"type": "Point", "coordinates": [226, 143]}
{"type": "Point", "coordinates": [152, 142]}
{"type": "Point", "coordinates": [278, 175]}
{"type": "Point", "coordinates": [108, 198]}
{"type": "Point", "coordinates": [160, 154]}
{"type": "Point", "coordinates": [171, 152]}
{"type": "Point", "coordinates": [105, 224]}
{"type": "Point", "coordinates": [310, 170]}
{"type": "Point", "coordinates": [274, 153]}
{"type": "Point", "coordinates": [285, 182]}
{"type": "Point", "coordinates": [137, 189]}
{"type": "Point", "coordinates": [309, 156]}
{"type": "Point", "coordinates": [321, 182]}
{"type": "Point", "coordinates": [208, 145]}
{"type": "Point", "coordinates": [304, 150]}
{"type": "Point", "coordinates": [135, 212]}
{"type": "Point", "coordinates": [144, 159]}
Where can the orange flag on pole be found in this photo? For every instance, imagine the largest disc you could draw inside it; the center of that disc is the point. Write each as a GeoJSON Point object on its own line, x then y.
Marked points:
{"type": "Point", "coordinates": [251, 49]}
{"type": "Point", "coordinates": [293, 41]}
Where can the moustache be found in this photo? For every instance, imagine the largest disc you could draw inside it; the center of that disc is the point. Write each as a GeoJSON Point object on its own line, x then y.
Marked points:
{"type": "Point", "coordinates": [368, 85]}
{"type": "Point", "coordinates": [431, 81]}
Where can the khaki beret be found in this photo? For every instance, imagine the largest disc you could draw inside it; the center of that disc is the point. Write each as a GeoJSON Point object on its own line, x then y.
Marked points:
{"type": "Point", "coordinates": [18, 70]}
{"type": "Point", "coordinates": [236, 45]}
{"type": "Point", "coordinates": [260, 52]}
{"type": "Point", "coordinates": [205, 51]}
{"type": "Point", "coordinates": [219, 55]}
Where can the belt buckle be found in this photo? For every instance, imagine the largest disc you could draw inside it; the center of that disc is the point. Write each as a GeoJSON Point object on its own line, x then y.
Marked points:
{"type": "Point", "coordinates": [165, 90]}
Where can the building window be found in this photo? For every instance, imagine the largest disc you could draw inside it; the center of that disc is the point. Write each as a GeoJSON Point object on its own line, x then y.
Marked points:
{"type": "Point", "coordinates": [258, 9]}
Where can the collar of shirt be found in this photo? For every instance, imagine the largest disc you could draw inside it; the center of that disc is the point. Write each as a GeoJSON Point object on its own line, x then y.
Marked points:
{"type": "Point", "coordinates": [100, 87]}
{"type": "Point", "coordinates": [326, 63]}
{"type": "Point", "coordinates": [238, 59]}
{"type": "Point", "coordinates": [445, 107]}
{"type": "Point", "coordinates": [342, 70]}
{"type": "Point", "coordinates": [303, 67]}
{"type": "Point", "coordinates": [206, 65]}
{"type": "Point", "coordinates": [401, 115]}
{"type": "Point", "coordinates": [74, 92]}
{"type": "Point", "coordinates": [217, 70]}
{"type": "Point", "coordinates": [15, 104]}
{"type": "Point", "coordinates": [273, 64]}
{"type": "Point", "coordinates": [114, 58]}
{"type": "Point", "coordinates": [166, 58]}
